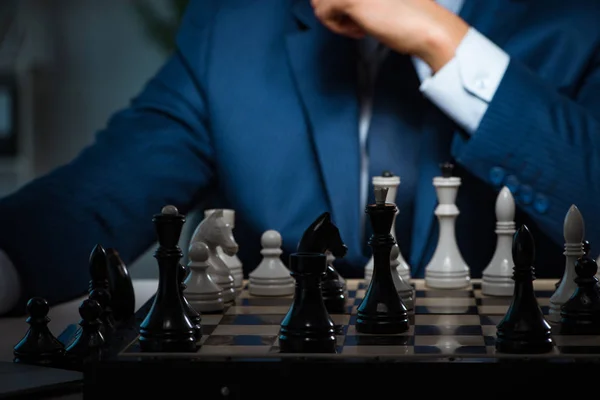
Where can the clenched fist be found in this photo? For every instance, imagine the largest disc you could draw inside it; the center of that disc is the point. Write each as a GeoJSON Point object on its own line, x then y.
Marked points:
{"type": "Point", "coordinates": [420, 28]}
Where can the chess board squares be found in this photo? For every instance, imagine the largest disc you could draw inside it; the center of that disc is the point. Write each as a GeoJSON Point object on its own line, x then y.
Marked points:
{"type": "Point", "coordinates": [488, 305]}
{"type": "Point", "coordinates": [447, 325]}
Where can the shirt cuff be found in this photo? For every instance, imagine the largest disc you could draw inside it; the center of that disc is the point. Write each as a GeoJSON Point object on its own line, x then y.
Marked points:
{"type": "Point", "coordinates": [10, 284]}
{"type": "Point", "coordinates": [463, 88]}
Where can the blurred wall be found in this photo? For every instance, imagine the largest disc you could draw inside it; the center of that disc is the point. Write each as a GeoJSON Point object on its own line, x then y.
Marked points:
{"type": "Point", "coordinates": [83, 59]}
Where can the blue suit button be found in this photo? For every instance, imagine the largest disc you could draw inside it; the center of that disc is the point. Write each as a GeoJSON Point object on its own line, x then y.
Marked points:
{"type": "Point", "coordinates": [512, 183]}
{"type": "Point", "coordinates": [497, 176]}
{"type": "Point", "coordinates": [526, 194]}
{"type": "Point", "coordinates": [541, 203]}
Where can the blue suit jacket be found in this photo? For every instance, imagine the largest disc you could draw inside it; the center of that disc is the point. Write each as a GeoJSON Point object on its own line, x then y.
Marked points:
{"type": "Point", "coordinates": [257, 111]}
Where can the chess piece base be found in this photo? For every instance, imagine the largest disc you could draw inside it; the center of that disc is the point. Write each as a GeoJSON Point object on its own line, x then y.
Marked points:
{"type": "Point", "coordinates": [384, 323]}
{"type": "Point", "coordinates": [554, 313]}
{"type": "Point", "coordinates": [447, 279]}
{"type": "Point", "coordinates": [541, 344]}
{"type": "Point", "coordinates": [307, 342]}
{"type": "Point", "coordinates": [176, 342]}
{"type": "Point", "coordinates": [501, 286]}
{"type": "Point", "coordinates": [206, 303]}
{"type": "Point", "coordinates": [227, 286]}
{"type": "Point", "coordinates": [570, 326]}
{"type": "Point", "coordinates": [271, 287]}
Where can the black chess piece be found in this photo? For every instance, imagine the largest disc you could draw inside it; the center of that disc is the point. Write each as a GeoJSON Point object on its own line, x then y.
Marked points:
{"type": "Point", "coordinates": [121, 287]}
{"type": "Point", "coordinates": [167, 328]}
{"type": "Point", "coordinates": [88, 345]}
{"type": "Point", "coordinates": [447, 169]}
{"type": "Point", "coordinates": [523, 330]}
{"type": "Point", "coordinates": [382, 310]}
{"type": "Point", "coordinates": [39, 345]}
{"type": "Point", "coordinates": [580, 315]}
{"type": "Point", "coordinates": [192, 314]}
{"type": "Point", "coordinates": [98, 265]}
{"type": "Point", "coordinates": [586, 251]}
{"type": "Point", "coordinates": [334, 292]}
{"type": "Point", "coordinates": [322, 236]}
{"type": "Point", "coordinates": [108, 326]}
{"type": "Point", "coordinates": [307, 327]}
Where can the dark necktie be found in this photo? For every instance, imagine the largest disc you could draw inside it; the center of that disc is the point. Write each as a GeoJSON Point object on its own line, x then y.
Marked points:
{"type": "Point", "coordinates": [393, 138]}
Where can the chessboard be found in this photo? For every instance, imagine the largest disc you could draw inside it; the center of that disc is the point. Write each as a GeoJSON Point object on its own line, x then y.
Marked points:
{"type": "Point", "coordinates": [451, 337]}
{"type": "Point", "coordinates": [447, 324]}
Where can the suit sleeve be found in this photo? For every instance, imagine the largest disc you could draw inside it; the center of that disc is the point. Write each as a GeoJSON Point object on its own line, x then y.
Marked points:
{"type": "Point", "coordinates": [544, 145]}
{"type": "Point", "coordinates": [155, 152]}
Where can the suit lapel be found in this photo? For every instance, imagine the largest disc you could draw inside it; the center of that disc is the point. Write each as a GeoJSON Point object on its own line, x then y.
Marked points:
{"type": "Point", "coordinates": [497, 20]}
{"type": "Point", "coordinates": [324, 68]}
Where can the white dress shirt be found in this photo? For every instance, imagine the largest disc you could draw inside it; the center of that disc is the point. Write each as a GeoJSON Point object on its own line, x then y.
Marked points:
{"type": "Point", "coordinates": [462, 89]}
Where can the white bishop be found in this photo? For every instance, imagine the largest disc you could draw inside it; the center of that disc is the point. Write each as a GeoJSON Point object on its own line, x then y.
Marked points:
{"type": "Point", "coordinates": [497, 276]}
{"type": "Point", "coordinates": [574, 233]}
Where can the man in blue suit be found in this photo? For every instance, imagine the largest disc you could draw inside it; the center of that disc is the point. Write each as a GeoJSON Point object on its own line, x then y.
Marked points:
{"type": "Point", "coordinates": [282, 109]}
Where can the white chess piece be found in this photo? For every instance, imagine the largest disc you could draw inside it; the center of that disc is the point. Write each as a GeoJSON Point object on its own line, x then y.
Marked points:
{"type": "Point", "coordinates": [447, 268]}
{"type": "Point", "coordinates": [233, 262]}
{"type": "Point", "coordinates": [392, 183]}
{"type": "Point", "coordinates": [214, 232]}
{"type": "Point", "coordinates": [497, 276]}
{"type": "Point", "coordinates": [271, 277]}
{"type": "Point", "coordinates": [574, 233]}
{"type": "Point", "coordinates": [203, 294]}
{"type": "Point", "coordinates": [404, 289]}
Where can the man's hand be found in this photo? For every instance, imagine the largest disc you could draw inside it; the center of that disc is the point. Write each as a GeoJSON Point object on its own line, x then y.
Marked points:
{"type": "Point", "coordinates": [420, 28]}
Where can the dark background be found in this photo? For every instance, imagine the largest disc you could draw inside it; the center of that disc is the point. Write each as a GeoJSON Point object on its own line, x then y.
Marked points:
{"type": "Point", "coordinates": [74, 63]}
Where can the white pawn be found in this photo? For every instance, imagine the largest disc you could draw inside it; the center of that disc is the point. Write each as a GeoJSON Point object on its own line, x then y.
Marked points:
{"type": "Point", "coordinates": [404, 289]}
{"type": "Point", "coordinates": [574, 233]}
{"type": "Point", "coordinates": [203, 294]}
{"type": "Point", "coordinates": [271, 277]}
{"type": "Point", "coordinates": [391, 182]}
{"type": "Point", "coordinates": [233, 262]}
{"type": "Point", "coordinates": [497, 276]}
{"type": "Point", "coordinates": [447, 268]}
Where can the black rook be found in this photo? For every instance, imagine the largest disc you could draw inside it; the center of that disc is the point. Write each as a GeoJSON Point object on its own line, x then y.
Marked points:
{"type": "Point", "coordinates": [307, 327]}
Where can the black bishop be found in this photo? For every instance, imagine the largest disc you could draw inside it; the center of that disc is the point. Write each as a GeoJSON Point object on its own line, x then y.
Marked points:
{"type": "Point", "coordinates": [523, 330]}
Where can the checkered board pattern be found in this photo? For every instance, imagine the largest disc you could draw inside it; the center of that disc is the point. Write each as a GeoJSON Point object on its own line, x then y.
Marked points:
{"type": "Point", "coordinates": [447, 323]}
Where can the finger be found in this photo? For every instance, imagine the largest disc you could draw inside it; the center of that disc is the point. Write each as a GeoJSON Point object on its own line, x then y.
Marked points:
{"type": "Point", "coordinates": [345, 26]}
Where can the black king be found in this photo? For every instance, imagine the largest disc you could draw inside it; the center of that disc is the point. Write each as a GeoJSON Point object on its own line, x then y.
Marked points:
{"type": "Point", "coordinates": [381, 310]}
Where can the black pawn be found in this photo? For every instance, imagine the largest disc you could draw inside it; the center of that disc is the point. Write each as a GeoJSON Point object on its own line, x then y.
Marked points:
{"type": "Point", "coordinates": [38, 346]}
{"type": "Point", "coordinates": [580, 315]}
{"type": "Point", "coordinates": [192, 314]}
{"type": "Point", "coordinates": [107, 328]}
{"type": "Point", "coordinates": [98, 266]}
{"type": "Point", "coordinates": [523, 330]}
{"type": "Point", "coordinates": [87, 346]}
{"type": "Point", "coordinates": [382, 310]}
{"type": "Point", "coordinates": [167, 328]}
{"type": "Point", "coordinates": [121, 287]}
{"type": "Point", "coordinates": [334, 290]}
{"type": "Point", "coordinates": [307, 327]}
{"type": "Point", "coordinates": [586, 251]}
